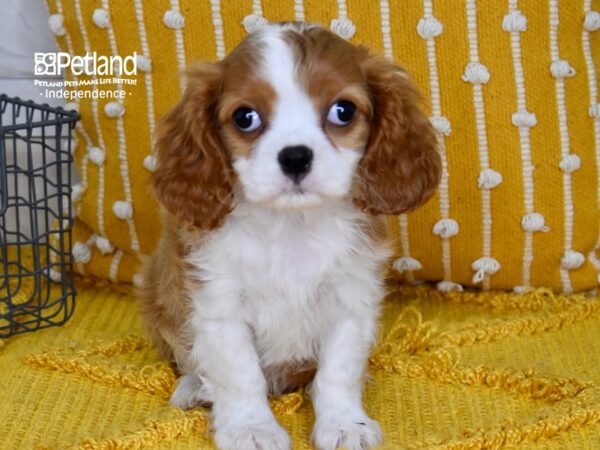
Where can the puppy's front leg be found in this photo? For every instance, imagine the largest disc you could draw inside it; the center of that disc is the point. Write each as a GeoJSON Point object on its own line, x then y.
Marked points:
{"type": "Point", "coordinates": [337, 389]}
{"type": "Point", "coordinates": [224, 353]}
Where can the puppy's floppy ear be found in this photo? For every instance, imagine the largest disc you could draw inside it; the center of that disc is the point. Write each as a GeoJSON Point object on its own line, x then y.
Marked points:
{"type": "Point", "coordinates": [194, 179]}
{"type": "Point", "coordinates": [401, 168]}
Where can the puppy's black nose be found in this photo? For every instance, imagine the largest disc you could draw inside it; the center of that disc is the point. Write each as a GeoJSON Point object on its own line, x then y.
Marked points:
{"type": "Point", "coordinates": [295, 162]}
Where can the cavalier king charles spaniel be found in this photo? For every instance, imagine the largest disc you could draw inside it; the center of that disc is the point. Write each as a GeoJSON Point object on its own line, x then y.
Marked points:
{"type": "Point", "coordinates": [275, 171]}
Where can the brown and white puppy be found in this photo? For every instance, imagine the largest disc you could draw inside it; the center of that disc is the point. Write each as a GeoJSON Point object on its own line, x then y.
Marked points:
{"type": "Point", "coordinates": [272, 171]}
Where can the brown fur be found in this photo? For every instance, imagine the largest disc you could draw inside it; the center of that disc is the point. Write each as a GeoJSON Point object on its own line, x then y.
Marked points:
{"type": "Point", "coordinates": [194, 179]}
{"type": "Point", "coordinates": [401, 167]}
{"type": "Point", "coordinates": [242, 88]}
{"type": "Point", "coordinates": [164, 295]}
{"type": "Point", "coordinates": [284, 378]}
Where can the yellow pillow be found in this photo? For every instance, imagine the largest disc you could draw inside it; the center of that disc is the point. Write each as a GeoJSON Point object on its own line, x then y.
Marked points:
{"type": "Point", "coordinates": [511, 87]}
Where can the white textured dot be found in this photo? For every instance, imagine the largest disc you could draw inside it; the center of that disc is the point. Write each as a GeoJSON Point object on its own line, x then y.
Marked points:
{"type": "Point", "coordinates": [150, 163]}
{"type": "Point", "coordinates": [101, 18]}
{"type": "Point", "coordinates": [96, 155]}
{"type": "Point", "coordinates": [449, 286]}
{"type": "Point", "coordinates": [114, 109]}
{"type": "Point", "coordinates": [594, 110]}
{"type": "Point", "coordinates": [572, 260]}
{"type": "Point", "coordinates": [76, 192]}
{"type": "Point", "coordinates": [524, 119]}
{"type": "Point", "coordinates": [123, 210]}
{"type": "Point", "coordinates": [534, 222]}
{"type": "Point", "coordinates": [489, 179]}
{"type": "Point", "coordinates": [138, 280]}
{"type": "Point", "coordinates": [343, 27]}
{"type": "Point", "coordinates": [561, 69]}
{"type": "Point", "coordinates": [407, 263]}
{"type": "Point", "coordinates": [143, 63]}
{"type": "Point", "coordinates": [56, 22]}
{"type": "Point", "coordinates": [441, 124]}
{"type": "Point", "coordinates": [514, 21]}
{"type": "Point", "coordinates": [522, 289]}
{"type": "Point", "coordinates": [429, 27]}
{"type": "Point", "coordinates": [71, 106]}
{"type": "Point", "coordinates": [253, 22]}
{"type": "Point", "coordinates": [104, 245]}
{"type": "Point", "coordinates": [66, 204]}
{"type": "Point", "coordinates": [55, 275]}
{"type": "Point", "coordinates": [592, 21]}
{"type": "Point", "coordinates": [446, 228]}
{"type": "Point", "coordinates": [173, 19]}
{"type": "Point", "coordinates": [82, 253]}
{"type": "Point", "coordinates": [484, 266]}
{"type": "Point", "coordinates": [570, 163]}
{"type": "Point", "coordinates": [476, 73]}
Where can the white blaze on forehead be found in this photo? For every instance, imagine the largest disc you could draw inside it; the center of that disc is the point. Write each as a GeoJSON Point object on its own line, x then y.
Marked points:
{"type": "Point", "coordinates": [293, 111]}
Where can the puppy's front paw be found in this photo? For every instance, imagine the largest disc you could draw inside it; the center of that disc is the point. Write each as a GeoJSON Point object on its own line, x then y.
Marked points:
{"type": "Point", "coordinates": [352, 433]}
{"type": "Point", "coordinates": [261, 436]}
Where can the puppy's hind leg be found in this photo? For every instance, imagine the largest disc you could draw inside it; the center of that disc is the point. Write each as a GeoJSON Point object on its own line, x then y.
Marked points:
{"type": "Point", "coordinates": [191, 391]}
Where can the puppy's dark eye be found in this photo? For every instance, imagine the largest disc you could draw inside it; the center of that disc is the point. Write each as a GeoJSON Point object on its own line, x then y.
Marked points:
{"type": "Point", "coordinates": [341, 113]}
{"type": "Point", "coordinates": [246, 119]}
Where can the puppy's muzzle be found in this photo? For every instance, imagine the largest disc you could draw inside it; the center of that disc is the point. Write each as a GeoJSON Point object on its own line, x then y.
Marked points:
{"type": "Point", "coordinates": [295, 162]}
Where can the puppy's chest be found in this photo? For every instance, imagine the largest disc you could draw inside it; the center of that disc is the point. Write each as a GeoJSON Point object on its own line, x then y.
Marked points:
{"type": "Point", "coordinates": [283, 273]}
{"type": "Point", "coordinates": [291, 257]}
{"type": "Point", "coordinates": [288, 275]}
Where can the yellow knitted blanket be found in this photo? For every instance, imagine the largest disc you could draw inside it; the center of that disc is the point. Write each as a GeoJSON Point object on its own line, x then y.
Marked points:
{"type": "Point", "coordinates": [450, 371]}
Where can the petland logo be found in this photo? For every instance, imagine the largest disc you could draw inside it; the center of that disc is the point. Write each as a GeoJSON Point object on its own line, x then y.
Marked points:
{"type": "Point", "coordinates": [54, 64]}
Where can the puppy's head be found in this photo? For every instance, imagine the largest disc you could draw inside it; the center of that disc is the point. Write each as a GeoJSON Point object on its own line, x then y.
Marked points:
{"type": "Point", "coordinates": [295, 116]}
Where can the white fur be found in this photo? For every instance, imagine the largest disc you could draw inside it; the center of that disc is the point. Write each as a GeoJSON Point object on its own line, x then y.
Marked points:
{"type": "Point", "coordinates": [279, 286]}
{"type": "Point", "coordinates": [290, 276]}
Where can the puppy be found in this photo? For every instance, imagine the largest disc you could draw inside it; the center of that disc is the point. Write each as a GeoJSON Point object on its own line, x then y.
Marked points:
{"type": "Point", "coordinates": [273, 172]}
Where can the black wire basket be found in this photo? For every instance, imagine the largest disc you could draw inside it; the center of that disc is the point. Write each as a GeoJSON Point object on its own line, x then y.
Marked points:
{"type": "Point", "coordinates": [36, 276]}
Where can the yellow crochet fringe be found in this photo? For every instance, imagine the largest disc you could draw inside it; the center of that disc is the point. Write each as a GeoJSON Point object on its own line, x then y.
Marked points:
{"type": "Point", "coordinates": [450, 371]}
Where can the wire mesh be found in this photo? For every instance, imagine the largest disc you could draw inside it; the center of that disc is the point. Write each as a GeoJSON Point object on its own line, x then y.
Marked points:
{"type": "Point", "coordinates": [36, 276]}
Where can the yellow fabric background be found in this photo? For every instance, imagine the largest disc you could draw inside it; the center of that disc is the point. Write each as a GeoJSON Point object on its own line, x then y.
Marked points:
{"type": "Point", "coordinates": [457, 104]}
{"type": "Point", "coordinates": [450, 372]}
